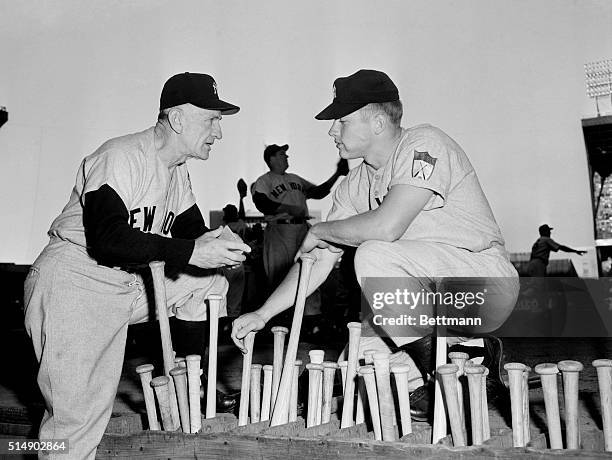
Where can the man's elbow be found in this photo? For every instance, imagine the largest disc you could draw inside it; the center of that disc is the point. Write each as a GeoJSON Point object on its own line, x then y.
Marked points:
{"type": "Point", "coordinates": [390, 232]}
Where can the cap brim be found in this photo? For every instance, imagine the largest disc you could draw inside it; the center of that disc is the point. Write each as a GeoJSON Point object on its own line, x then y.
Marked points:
{"type": "Point", "coordinates": [337, 110]}
{"type": "Point", "coordinates": [224, 107]}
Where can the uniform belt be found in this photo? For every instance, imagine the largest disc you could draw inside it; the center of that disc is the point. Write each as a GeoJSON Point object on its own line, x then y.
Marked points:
{"type": "Point", "coordinates": [295, 220]}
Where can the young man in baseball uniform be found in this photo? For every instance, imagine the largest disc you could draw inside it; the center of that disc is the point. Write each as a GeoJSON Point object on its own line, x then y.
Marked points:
{"type": "Point", "coordinates": [281, 196]}
{"type": "Point", "coordinates": [540, 252]}
{"type": "Point", "coordinates": [415, 211]}
{"type": "Point", "coordinates": [132, 203]}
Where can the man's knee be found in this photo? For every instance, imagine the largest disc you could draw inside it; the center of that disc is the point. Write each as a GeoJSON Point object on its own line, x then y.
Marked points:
{"type": "Point", "coordinates": [369, 256]}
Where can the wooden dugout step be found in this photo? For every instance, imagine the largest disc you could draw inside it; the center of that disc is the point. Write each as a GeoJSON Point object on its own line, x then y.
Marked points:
{"type": "Point", "coordinates": [221, 438]}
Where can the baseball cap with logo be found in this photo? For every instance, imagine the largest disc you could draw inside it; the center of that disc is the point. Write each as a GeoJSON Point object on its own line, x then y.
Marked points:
{"type": "Point", "coordinates": [198, 89]}
{"type": "Point", "coordinates": [358, 90]}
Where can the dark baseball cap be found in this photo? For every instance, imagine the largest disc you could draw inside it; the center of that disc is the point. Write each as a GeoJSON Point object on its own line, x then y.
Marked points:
{"type": "Point", "coordinates": [544, 228]}
{"type": "Point", "coordinates": [358, 90]}
{"type": "Point", "coordinates": [198, 89]}
{"type": "Point", "coordinates": [273, 149]}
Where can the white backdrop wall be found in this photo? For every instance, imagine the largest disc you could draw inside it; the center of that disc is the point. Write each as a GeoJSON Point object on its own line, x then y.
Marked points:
{"type": "Point", "coordinates": [504, 78]}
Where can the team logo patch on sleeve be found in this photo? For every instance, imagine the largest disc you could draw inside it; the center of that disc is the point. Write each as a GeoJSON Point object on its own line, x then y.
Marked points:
{"type": "Point", "coordinates": [423, 165]}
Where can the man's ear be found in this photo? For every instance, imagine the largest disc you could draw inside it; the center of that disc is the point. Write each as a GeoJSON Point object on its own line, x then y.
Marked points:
{"type": "Point", "coordinates": [175, 120]}
{"type": "Point", "coordinates": [379, 123]}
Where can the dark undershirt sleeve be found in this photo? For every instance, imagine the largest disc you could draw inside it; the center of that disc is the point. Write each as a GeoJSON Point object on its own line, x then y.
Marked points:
{"type": "Point", "coordinates": [264, 204]}
{"type": "Point", "coordinates": [112, 242]}
{"type": "Point", "coordinates": [189, 224]}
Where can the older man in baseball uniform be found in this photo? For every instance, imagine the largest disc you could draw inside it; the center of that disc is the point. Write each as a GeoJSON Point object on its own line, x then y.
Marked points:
{"type": "Point", "coordinates": [416, 212]}
{"type": "Point", "coordinates": [132, 203]}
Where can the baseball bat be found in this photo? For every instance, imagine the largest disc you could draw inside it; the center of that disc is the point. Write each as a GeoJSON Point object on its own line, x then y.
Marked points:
{"type": "Point", "coordinates": [266, 398]}
{"type": "Point", "coordinates": [571, 374]}
{"type": "Point", "coordinates": [604, 378]}
{"type": "Point", "coordinates": [243, 411]}
{"type": "Point", "coordinates": [515, 380]}
{"type": "Point", "coordinates": [214, 304]}
{"type": "Point", "coordinates": [459, 358]}
{"type": "Point", "coordinates": [329, 373]}
{"type": "Point", "coordinates": [342, 365]}
{"type": "Point", "coordinates": [351, 367]}
{"type": "Point", "coordinates": [448, 375]}
{"type": "Point", "coordinates": [145, 372]}
{"type": "Point", "coordinates": [548, 375]}
{"type": "Point", "coordinates": [526, 418]}
{"type": "Point", "coordinates": [439, 422]}
{"type": "Point", "coordinates": [255, 389]}
{"type": "Point", "coordinates": [279, 333]}
{"type": "Point", "coordinates": [293, 392]}
{"type": "Point", "coordinates": [179, 375]}
{"type": "Point", "coordinates": [317, 357]}
{"type": "Point", "coordinates": [159, 289]}
{"type": "Point", "coordinates": [314, 379]}
{"type": "Point", "coordinates": [367, 372]}
{"type": "Point", "coordinates": [385, 396]}
{"type": "Point", "coordinates": [474, 378]}
{"type": "Point", "coordinates": [160, 385]}
{"type": "Point", "coordinates": [193, 384]}
{"type": "Point", "coordinates": [486, 427]}
{"type": "Point", "coordinates": [179, 362]}
{"type": "Point", "coordinates": [280, 413]}
{"type": "Point", "coordinates": [400, 372]}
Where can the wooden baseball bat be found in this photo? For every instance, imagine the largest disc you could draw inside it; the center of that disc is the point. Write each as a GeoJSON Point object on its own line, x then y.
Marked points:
{"type": "Point", "coordinates": [515, 381]}
{"type": "Point", "coordinates": [317, 357]}
{"type": "Point", "coordinates": [314, 379]}
{"type": "Point", "coordinates": [243, 411]}
{"type": "Point", "coordinates": [474, 378]}
{"type": "Point", "coordinates": [351, 367]}
{"type": "Point", "coordinates": [604, 378]}
{"type": "Point", "coordinates": [486, 427]}
{"type": "Point", "coordinates": [145, 371]}
{"type": "Point", "coordinates": [280, 414]}
{"type": "Point", "coordinates": [160, 385]}
{"type": "Point", "coordinates": [214, 304]}
{"type": "Point", "coordinates": [342, 365]}
{"type": "Point", "coordinates": [266, 398]}
{"type": "Point", "coordinates": [459, 358]}
{"type": "Point", "coordinates": [293, 392]}
{"type": "Point", "coordinates": [179, 375]}
{"type": "Point", "coordinates": [385, 396]}
{"type": "Point", "coordinates": [329, 374]}
{"type": "Point", "coordinates": [255, 389]}
{"type": "Point", "coordinates": [279, 333]}
{"type": "Point", "coordinates": [571, 374]}
{"type": "Point", "coordinates": [367, 372]}
{"type": "Point", "coordinates": [400, 373]}
{"type": "Point", "coordinates": [439, 421]}
{"type": "Point", "coordinates": [180, 362]}
{"type": "Point", "coordinates": [548, 375]}
{"type": "Point", "coordinates": [193, 384]}
{"type": "Point", "coordinates": [159, 289]}
{"type": "Point", "coordinates": [448, 376]}
{"type": "Point", "coordinates": [526, 418]}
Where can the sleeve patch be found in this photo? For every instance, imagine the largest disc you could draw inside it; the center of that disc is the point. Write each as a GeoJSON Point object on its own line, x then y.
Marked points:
{"type": "Point", "coordinates": [423, 165]}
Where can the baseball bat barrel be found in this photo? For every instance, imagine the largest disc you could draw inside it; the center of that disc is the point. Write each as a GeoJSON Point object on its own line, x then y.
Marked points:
{"type": "Point", "coordinates": [474, 378]}
{"type": "Point", "coordinates": [255, 389]}
{"type": "Point", "coordinates": [279, 333]}
{"type": "Point", "coordinates": [448, 376]}
{"type": "Point", "coordinates": [571, 376]}
{"type": "Point", "coordinates": [243, 410]}
{"type": "Point", "coordinates": [351, 368]}
{"type": "Point", "coordinates": [400, 373]}
{"type": "Point", "coordinates": [329, 374]}
{"type": "Point", "coordinates": [161, 308]}
{"type": "Point", "coordinates": [604, 378]}
{"type": "Point", "coordinates": [266, 397]}
{"type": "Point", "coordinates": [439, 421]}
{"type": "Point", "coordinates": [385, 396]}
{"type": "Point", "coordinates": [160, 386]}
{"type": "Point", "coordinates": [548, 375]}
{"type": "Point", "coordinates": [317, 357]}
{"type": "Point", "coordinates": [214, 304]}
{"type": "Point", "coordinates": [515, 381]}
{"type": "Point", "coordinates": [294, 390]}
{"type": "Point", "coordinates": [193, 384]}
{"type": "Point", "coordinates": [526, 418]}
{"type": "Point", "coordinates": [145, 372]}
{"type": "Point", "coordinates": [314, 378]}
{"type": "Point", "coordinates": [369, 377]}
{"type": "Point", "coordinates": [280, 413]}
{"type": "Point", "coordinates": [179, 375]}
